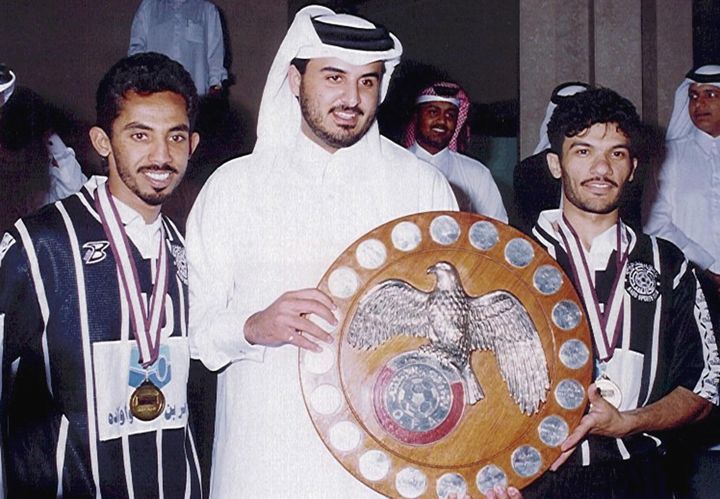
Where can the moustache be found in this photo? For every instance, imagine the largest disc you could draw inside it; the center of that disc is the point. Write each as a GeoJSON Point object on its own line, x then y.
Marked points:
{"type": "Point", "coordinates": [351, 109]}
{"type": "Point", "coordinates": [600, 179]}
{"type": "Point", "coordinates": [158, 168]}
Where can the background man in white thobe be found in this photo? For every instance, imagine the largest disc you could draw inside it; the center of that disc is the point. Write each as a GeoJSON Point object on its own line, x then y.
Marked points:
{"type": "Point", "coordinates": [435, 134]}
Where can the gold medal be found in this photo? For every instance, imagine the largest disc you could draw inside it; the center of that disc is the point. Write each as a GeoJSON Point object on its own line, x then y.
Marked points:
{"type": "Point", "coordinates": [147, 401]}
{"type": "Point", "coordinates": [609, 390]}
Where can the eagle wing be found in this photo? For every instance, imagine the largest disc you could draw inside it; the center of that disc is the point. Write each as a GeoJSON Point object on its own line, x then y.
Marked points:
{"type": "Point", "coordinates": [499, 322]}
{"type": "Point", "coordinates": [390, 308]}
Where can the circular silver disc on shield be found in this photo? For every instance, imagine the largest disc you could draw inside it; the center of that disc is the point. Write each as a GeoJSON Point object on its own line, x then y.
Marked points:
{"type": "Point", "coordinates": [526, 461]}
{"type": "Point", "coordinates": [451, 483]}
{"type": "Point", "coordinates": [566, 314]}
{"type": "Point", "coordinates": [489, 477]}
{"type": "Point", "coordinates": [343, 282]}
{"type": "Point", "coordinates": [406, 236]}
{"type": "Point", "coordinates": [519, 252]}
{"type": "Point", "coordinates": [411, 482]}
{"type": "Point", "coordinates": [483, 235]}
{"type": "Point", "coordinates": [371, 254]}
{"type": "Point", "coordinates": [553, 431]}
{"type": "Point", "coordinates": [444, 230]}
{"type": "Point", "coordinates": [374, 465]}
{"type": "Point", "coordinates": [569, 394]}
{"type": "Point", "coordinates": [547, 279]}
{"type": "Point", "coordinates": [574, 354]}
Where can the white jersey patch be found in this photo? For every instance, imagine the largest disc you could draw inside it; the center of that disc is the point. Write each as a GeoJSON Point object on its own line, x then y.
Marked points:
{"type": "Point", "coordinates": [5, 245]}
{"type": "Point", "coordinates": [117, 374]}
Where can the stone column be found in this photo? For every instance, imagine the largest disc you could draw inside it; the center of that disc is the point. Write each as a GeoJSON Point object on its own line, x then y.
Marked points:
{"type": "Point", "coordinates": [640, 48]}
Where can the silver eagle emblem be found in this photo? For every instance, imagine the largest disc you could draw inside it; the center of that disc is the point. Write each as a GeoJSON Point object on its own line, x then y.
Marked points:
{"type": "Point", "coordinates": [457, 324]}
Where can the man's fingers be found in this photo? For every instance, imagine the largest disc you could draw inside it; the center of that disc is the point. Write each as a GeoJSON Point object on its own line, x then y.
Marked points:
{"type": "Point", "coordinates": [561, 459]}
{"type": "Point", "coordinates": [314, 295]}
{"type": "Point", "coordinates": [302, 341]}
{"type": "Point", "coordinates": [308, 307]}
{"type": "Point", "coordinates": [310, 328]}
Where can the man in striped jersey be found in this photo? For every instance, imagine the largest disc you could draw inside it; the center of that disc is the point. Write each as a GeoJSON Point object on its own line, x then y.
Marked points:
{"type": "Point", "coordinates": [93, 310]}
{"type": "Point", "coordinates": [656, 362]}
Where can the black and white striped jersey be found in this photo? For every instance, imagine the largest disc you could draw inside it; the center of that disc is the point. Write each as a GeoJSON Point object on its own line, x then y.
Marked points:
{"type": "Point", "coordinates": [666, 338]}
{"type": "Point", "coordinates": [70, 364]}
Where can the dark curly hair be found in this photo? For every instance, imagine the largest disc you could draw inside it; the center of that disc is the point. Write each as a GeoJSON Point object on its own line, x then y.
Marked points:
{"type": "Point", "coordinates": [597, 105]}
{"type": "Point", "coordinates": [145, 73]}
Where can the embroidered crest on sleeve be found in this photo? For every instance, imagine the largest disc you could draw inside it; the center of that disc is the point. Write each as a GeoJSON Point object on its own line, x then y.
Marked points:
{"type": "Point", "coordinates": [5, 245]}
{"type": "Point", "coordinates": [178, 253]}
{"type": "Point", "coordinates": [642, 281]}
{"type": "Point", "coordinates": [95, 251]}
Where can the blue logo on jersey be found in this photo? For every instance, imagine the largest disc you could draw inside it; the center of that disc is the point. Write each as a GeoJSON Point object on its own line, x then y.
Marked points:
{"type": "Point", "coordinates": [95, 251]}
{"type": "Point", "coordinates": [160, 373]}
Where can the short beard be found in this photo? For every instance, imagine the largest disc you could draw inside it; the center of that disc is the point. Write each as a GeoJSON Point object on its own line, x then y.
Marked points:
{"type": "Point", "coordinates": [337, 140]}
{"type": "Point", "coordinates": [590, 207]}
{"type": "Point", "coordinates": [437, 144]}
{"type": "Point", "coordinates": [150, 198]}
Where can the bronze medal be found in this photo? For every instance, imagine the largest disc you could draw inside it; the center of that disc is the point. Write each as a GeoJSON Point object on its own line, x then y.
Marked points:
{"type": "Point", "coordinates": [147, 401]}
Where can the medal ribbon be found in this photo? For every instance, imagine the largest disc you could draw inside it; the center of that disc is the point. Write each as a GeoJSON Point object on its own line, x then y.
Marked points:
{"type": "Point", "coordinates": [606, 325]}
{"type": "Point", "coordinates": [146, 325]}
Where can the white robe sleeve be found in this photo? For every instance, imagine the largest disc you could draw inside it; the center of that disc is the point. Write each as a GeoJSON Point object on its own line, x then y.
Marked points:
{"type": "Point", "coordinates": [660, 190]}
{"type": "Point", "coordinates": [216, 320]}
{"type": "Point", "coordinates": [66, 176]}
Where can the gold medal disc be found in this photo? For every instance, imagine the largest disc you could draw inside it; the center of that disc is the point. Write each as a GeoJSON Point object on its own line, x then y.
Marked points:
{"type": "Point", "coordinates": [147, 401]}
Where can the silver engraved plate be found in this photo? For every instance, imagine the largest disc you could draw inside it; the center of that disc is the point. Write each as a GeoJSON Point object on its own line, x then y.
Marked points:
{"type": "Point", "coordinates": [411, 482]}
{"type": "Point", "coordinates": [489, 477]}
{"type": "Point", "coordinates": [526, 460]}
{"type": "Point", "coordinates": [566, 314]}
{"type": "Point", "coordinates": [344, 436]}
{"type": "Point", "coordinates": [406, 236]}
{"type": "Point", "coordinates": [574, 354]}
{"type": "Point", "coordinates": [371, 254]}
{"type": "Point", "coordinates": [570, 394]}
{"type": "Point", "coordinates": [326, 399]}
{"type": "Point", "coordinates": [519, 252]}
{"type": "Point", "coordinates": [547, 279]}
{"type": "Point", "coordinates": [451, 483]}
{"type": "Point", "coordinates": [374, 465]}
{"type": "Point", "coordinates": [343, 282]}
{"type": "Point", "coordinates": [444, 230]}
{"type": "Point", "coordinates": [553, 430]}
{"type": "Point", "coordinates": [417, 400]}
{"type": "Point", "coordinates": [483, 235]}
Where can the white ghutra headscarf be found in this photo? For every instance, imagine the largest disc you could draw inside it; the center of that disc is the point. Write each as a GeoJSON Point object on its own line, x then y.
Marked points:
{"type": "Point", "coordinates": [319, 32]}
{"type": "Point", "coordinates": [680, 123]}
{"type": "Point", "coordinates": [7, 87]}
{"type": "Point", "coordinates": [563, 90]}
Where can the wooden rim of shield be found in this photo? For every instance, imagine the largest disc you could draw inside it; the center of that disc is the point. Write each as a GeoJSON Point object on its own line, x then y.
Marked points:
{"type": "Point", "coordinates": [491, 442]}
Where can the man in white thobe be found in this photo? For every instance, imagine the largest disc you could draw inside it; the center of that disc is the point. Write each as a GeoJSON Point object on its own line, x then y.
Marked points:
{"type": "Point", "coordinates": [266, 227]}
{"type": "Point", "coordinates": [188, 31]}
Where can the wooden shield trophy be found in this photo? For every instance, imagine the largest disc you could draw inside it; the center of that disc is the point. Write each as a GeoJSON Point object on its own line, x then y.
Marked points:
{"type": "Point", "coordinates": [460, 362]}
